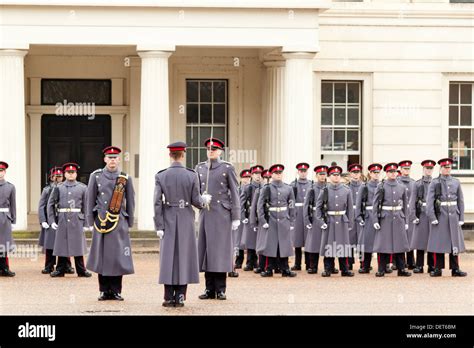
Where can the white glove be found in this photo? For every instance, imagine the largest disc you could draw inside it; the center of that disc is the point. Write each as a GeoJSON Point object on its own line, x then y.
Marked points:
{"type": "Point", "coordinates": [406, 227]}
{"type": "Point", "coordinates": [160, 234]}
{"type": "Point", "coordinates": [362, 223]}
{"type": "Point", "coordinates": [45, 225]}
{"type": "Point", "coordinates": [265, 225]}
{"type": "Point", "coordinates": [416, 221]}
{"type": "Point", "coordinates": [309, 226]}
{"type": "Point", "coordinates": [54, 226]}
{"type": "Point", "coordinates": [235, 224]}
{"type": "Point", "coordinates": [324, 226]}
{"type": "Point", "coordinates": [86, 229]}
{"type": "Point", "coordinates": [461, 223]}
{"type": "Point", "coordinates": [291, 228]}
{"type": "Point", "coordinates": [435, 222]}
{"type": "Point", "coordinates": [377, 226]}
{"type": "Point", "coordinates": [245, 221]}
{"type": "Point", "coordinates": [206, 198]}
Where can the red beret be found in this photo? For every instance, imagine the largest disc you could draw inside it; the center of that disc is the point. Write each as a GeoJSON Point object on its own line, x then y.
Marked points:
{"type": "Point", "coordinates": [214, 143]}
{"type": "Point", "coordinates": [428, 163]}
{"type": "Point", "coordinates": [334, 170]}
{"type": "Point", "coordinates": [375, 167]}
{"type": "Point", "coordinates": [302, 165]}
{"type": "Point", "coordinates": [111, 151]}
{"type": "Point", "coordinates": [3, 165]}
{"type": "Point", "coordinates": [406, 163]}
{"type": "Point", "coordinates": [355, 167]}
{"type": "Point", "coordinates": [445, 162]}
{"type": "Point", "coordinates": [277, 168]}
{"type": "Point", "coordinates": [256, 169]}
{"type": "Point", "coordinates": [245, 173]}
{"type": "Point", "coordinates": [70, 167]}
{"type": "Point", "coordinates": [321, 169]}
{"type": "Point", "coordinates": [390, 166]}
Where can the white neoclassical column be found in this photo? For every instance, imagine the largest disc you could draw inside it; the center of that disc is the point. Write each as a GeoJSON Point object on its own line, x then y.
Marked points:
{"type": "Point", "coordinates": [298, 119]}
{"type": "Point", "coordinates": [154, 130]}
{"type": "Point", "coordinates": [274, 110]}
{"type": "Point", "coordinates": [12, 127]}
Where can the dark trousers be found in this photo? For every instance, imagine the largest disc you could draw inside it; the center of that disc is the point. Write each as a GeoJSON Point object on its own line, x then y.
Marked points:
{"type": "Point", "coordinates": [4, 262]}
{"type": "Point", "coordinates": [110, 284]}
{"type": "Point", "coordinates": [50, 259]}
{"type": "Point", "coordinates": [215, 281]}
{"type": "Point", "coordinates": [298, 257]}
{"type": "Point", "coordinates": [420, 259]}
{"type": "Point", "coordinates": [329, 263]}
{"type": "Point", "coordinates": [239, 259]}
{"type": "Point", "coordinates": [174, 292]}
{"type": "Point", "coordinates": [313, 260]}
{"type": "Point", "coordinates": [352, 258]}
{"type": "Point", "coordinates": [78, 260]}
{"type": "Point", "coordinates": [384, 259]}
{"type": "Point", "coordinates": [278, 262]}
{"type": "Point", "coordinates": [367, 258]}
{"type": "Point", "coordinates": [410, 258]}
{"type": "Point", "coordinates": [251, 258]}
{"type": "Point", "coordinates": [262, 262]}
{"type": "Point", "coordinates": [438, 261]}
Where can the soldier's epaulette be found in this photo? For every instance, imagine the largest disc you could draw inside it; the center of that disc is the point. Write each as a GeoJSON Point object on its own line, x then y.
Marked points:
{"type": "Point", "coordinates": [190, 169]}
{"type": "Point", "coordinates": [228, 163]}
{"type": "Point", "coordinates": [201, 163]}
{"type": "Point", "coordinates": [97, 171]}
{"type": "Point", "coordinates": [82, 184]}
{"type": "Point", "coordinates": [161, 170]}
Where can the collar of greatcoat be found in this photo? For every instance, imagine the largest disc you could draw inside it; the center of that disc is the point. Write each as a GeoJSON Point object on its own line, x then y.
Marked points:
{"type": "Point", "coordinates": [215, 163]}
{"type": "Point", "coordinates": [446, 177]}
{"type": "Point", "coordinates": [393, 182]}
{"type": "Point", "coordinates": [70, 183]}
{"type": "Point", "coordinates": [356, 183]}
{"type": "Point", "coordinates": [109, 174]}
{"type": "Point", "coordinates": [426, 178]}
{"type": "Point", "coordinates": [2, 182]}
{"type": "Point", "coordinates": [176, 164]}
{"type": "Point", "coordinates": [335, 186]}
{"type": "Point", "coordinates": [277, 183]}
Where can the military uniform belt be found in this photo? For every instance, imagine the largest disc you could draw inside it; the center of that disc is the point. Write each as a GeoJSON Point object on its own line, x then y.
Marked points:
{"type": "Point", "coordinates": [277, 209]}
{"type": "Point", "coordinates": [369, 207]}
{"type": "Point", "coordinates": [449, 203]}
{"type": "Point", "coordinates": [4, 210]}
{"type": "Point", "coordinates": [177, 204]}
{"type": "Point", "coordinates": [299, 204]}
{"type": "Point", "coordinates": [69, 210]}
{"type": "Point", "coordinates": [336, 212]}
{"type": "Point", "coordinates": [391, 208]}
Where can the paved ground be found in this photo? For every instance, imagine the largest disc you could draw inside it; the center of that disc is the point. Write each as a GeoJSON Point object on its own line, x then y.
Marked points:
{"type": "Point", "coordinates": [30, 292]}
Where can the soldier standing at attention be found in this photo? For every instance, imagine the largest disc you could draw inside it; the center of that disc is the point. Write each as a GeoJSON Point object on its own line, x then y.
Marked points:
{"type": "Point", "coordinates": [355, 184]}
{"type": "Point", "coordinates": [216, 221]}
{"type": "Point", "coordinates": [68, 200]}
{"type": "Point", "coordinates": [300, 186]}
{"type": "Point", "coordinates": [445, 210]}
{"type": "Point", "coordinates": [176, 192]}
{"type": "Point", "coordinates": [390, 216]}
{"type": "Point", "coordinates": [110, 209]}
{"type": "Point", "coordinates": [7, 220]}
{"type": "Point", "coordinates": [422, 225]}
{"type": "Point", "coordinates": [313, 239]}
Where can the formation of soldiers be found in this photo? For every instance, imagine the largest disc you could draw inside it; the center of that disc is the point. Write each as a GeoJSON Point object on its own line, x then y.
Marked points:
{"type": "Point", "coordinates": [262, 217]}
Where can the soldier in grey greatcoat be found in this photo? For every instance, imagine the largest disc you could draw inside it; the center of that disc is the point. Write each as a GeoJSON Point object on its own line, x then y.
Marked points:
{"type": "Point", "coordinates": [355, 184]}
{"type": "Point", "coordinates": [176, 192]}
{"type": "Point", "coordinates": [404, 178]}
{"type": "Point", "coordinates": [312, 244]}
{"type": "Point", "coordinates": [110, 253]}
{"type": "Point", "coordinates": [7, 221]}
{"type": "Point", "coordinates": [217, 220]}
{"type": "Point", "coordinates": [300, 187]}
{"type": "Point", "coordinates": [239, 245]}
{"type": "Point", "coordinates": [445, 210]}
{"type": "Point", "coordinates": [68, 202]}
{"type": "Point", "coordinates": [335, 216]}
{"type": "Point", "coordinates": [276, 212]}
{"type": "Point", "coordinates": [390, 217]}
{"type": "Point", "coordinates": [422, 225]}
{"type": "Point", "coordinates": [249, 234]}
{"type": "Point", "coordinates": [363, 217]}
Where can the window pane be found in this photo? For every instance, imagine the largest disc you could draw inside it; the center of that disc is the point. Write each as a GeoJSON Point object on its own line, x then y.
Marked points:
{"type": "Point", "coordinates": [339, 140]}
{"type": "Point", "coordinates": [219, 91]}
{"type": "Point", "coordinates": [326, 139]}
{"type": "Point", "coordinates": [202, 154]}
{"type": "Point", "coordinates": [465, 159]}
{"type": "Point", "coordinates": [205, 90]}
{"type": "Point", "coordinates": [453, 137]}
{"type": "Point", "coordinates": [206, 113]}
{"type": "Point", "coordinates": [326, 93]}
{"type": "Point", "coordinates": [204, 133]}
{"type": "Point", "coordinates": [353, 140]}
{"type": "Point", "coordinates": [453, 116]}
{"type": "Point", "coordinates": [454, 93]}
{"type": "Point", "coordinates": [339, 116]}
{"type": "Point", "coordinates": [192, 113]}
{"type": "Point", "coordinates": [192, 91]}
{"type": "Point", "coordinates": [453, 153]}
{"type": "Point", "coordinates": [55, 91]}
{"type": "Point", "coordinates": [219, 113]}
{"type": "Point", "coordinates": [219, 133]}
{"type": "Point", "coordinates": [465, 138]}
{"type": "Point", "coordinates": [189, 159]}
{"type": "Point", "coordinates": [466, 94]}
{"type": "Point", "coordinates": [326, 116]}
{"type": "Point", "coordinates": [465, 115]}
{"type": "Point", "coordinates": [340, 92]}
{"type": "Point", "coordinates": [353, 117]}
{"type": "Point", "coordinates": [353, 93]}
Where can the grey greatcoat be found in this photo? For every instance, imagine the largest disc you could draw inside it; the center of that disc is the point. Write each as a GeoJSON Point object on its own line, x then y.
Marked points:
{"type": "Point", "coordinates": [70, 239]}
{"type": "Point", "coordinates": [355, 232]}
{"type": "Point", "coordinates": [313, 238]}
{"type": "Point", "coordinates": [392, 237]}
{"type": "Point", "coordinates": [237, 235]}
{"type": "Point", "coordinates": [409, 187]}
{"type": "Point", "coordinates": [255, 223]}
{"type": "Point", "coordinates": [421, 231]}
{"type": "Point", "coordinates": [110, 253]}
{"type": "Point", "coordinates": [176, 192]}
{"type": "Point", "coordinates": [215, 248]}
{"type": "Point", "coordinates": [335, 240]}
{"type": "Point", "coordinates": [249, 235]}
{"type": "Point", "coordinates": [298, 235]}
{"type": "Point", "coordinates": [279, 196]}
{"type": "Point", "coordinates": [447, 236]}
{"type": "Point", "coordinates": [367, 234]}
{"type": "Point", "coordinates": [7, 218]}
{"type": "Point", "coordinates": [47, 235]}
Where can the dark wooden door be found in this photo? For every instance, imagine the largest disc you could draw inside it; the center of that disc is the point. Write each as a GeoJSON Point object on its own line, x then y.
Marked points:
{"type": "Point", "coordinates": [74, 139]}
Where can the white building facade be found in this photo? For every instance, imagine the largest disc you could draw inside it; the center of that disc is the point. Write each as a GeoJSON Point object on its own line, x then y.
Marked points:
{"type": "Point", "coordinates": [280, 81]}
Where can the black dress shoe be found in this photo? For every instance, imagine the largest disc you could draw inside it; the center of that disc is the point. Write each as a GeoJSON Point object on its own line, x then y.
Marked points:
{"type": "Point", "coordinates": [277, 271]}
{"type": "Point", "coordinates": [347, 274]}
{"type": "Point", "coordinates": [47, 270]}
{"type": "Point", "coordinates": [179, 301]}
{"type": "Point", "coordinates": [57, 274]}
{"type": "Point", "coordinates": [418, 270]}
{"type": "Point", "coordinates": [364, 271]}
{"type": "Point", "coordinates": [70, 270]}
{"type": "Point", "coordinates": [436, 273]}
{"type": "Point", "coordinates": [403, 273]}
{"type": "Point", "coordinates": [411, 267]}
{"type": "Point", "coordinates": [84, 275]}
{"type": "Point", "coordinates": [233, 274]}
{"type": "Point", "coordinates": [296, 268]}
{"type": "Point", "coordinates": [238, 266]}
{"type": "Point", "coordinates": [258, 270]}
{"type": "Point", "coordinates": [168, 303]}
{"type": "Point", "coordinates": [312, 270]}
{"type": "Point", "coordinates": [288, 273]}
{"type": "Point", "coordinates": [248, 268]}
{"type": "Point", "coordinates": [116, 296]}
{"type": "Point", "coordinates": [334, 271]}
{"type": "Point", "coordinates": [103, 296]}
{"type": "Point", "coordinates": [221, 296]}
{"type": "Point", "coordinates": [458, 273]}
{"type": "Point", "coordinates": [380, 274]}
{"type": "Point", "coordinates": [208, 294]}
{"type": "Point", "coordinates": [326, 273]}
{"type": "Point", "coordinates": [430, 269]}
{"type": "Point", "coordinates": [351, 267]}
{"type": "Point", "coordinates": [267, 273]}
{"type": "Point", "coordinates": [7, 273]}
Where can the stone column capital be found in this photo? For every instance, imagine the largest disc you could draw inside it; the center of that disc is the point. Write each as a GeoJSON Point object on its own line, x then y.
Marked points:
{"type": "Point", "coordinates": [13, 53]}
{"type": "Point", "coordinates": [298, 55]}
{"type": "Point", "coordinates": [155, 54]}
